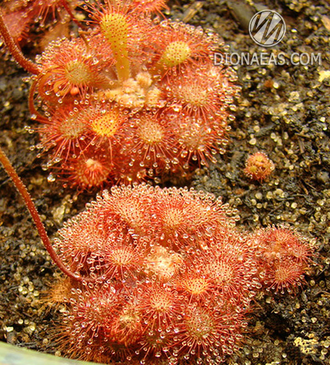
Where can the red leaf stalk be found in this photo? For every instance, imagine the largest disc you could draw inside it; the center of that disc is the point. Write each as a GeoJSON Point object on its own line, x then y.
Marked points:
{"type": "Point", "coordinates": [15, 51]}
{"type": "Point", "coordinates": [35, 216]}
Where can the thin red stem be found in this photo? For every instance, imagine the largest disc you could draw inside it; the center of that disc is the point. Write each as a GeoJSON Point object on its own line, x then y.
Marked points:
{"type": "Point", "coordinates": [66, 6]}
{"type": "Point", "coordinates": [36, 218]}
{"type": "Point", "coordinates": [15, 51]}
{"type": "Point", "coordinates": [34, 112]}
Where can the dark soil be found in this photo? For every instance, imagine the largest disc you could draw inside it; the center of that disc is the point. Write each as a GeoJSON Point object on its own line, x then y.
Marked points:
{"type": "Point", "coordinates": [284, 111]}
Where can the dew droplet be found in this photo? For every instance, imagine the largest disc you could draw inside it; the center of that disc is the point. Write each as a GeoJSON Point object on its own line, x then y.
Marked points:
{"type": "Point", "coordinates": [51, 178]}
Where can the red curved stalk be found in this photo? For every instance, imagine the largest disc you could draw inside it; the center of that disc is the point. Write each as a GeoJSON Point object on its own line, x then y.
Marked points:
{"type": "Point", "coordinates": [35, 216]}
{"type": "Point", "coordinates": [69, 11]}
{"type": "Point", "coordinates": [14, 49]}
{"type": "Point", "coordinates": [34, 112]}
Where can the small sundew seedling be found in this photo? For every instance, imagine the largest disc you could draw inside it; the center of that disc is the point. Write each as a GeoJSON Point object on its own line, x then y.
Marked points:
{"type": "Point", "coordinates": [259, 166]}
{"type": "Point", "coordinates": [161, 275]}
{"type": "Point", "coordinates": [283, 257]}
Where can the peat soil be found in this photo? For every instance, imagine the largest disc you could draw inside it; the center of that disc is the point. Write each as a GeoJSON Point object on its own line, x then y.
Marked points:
{"type": "Point", "coordinates": [284, 111]}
